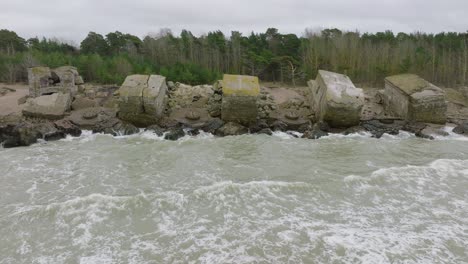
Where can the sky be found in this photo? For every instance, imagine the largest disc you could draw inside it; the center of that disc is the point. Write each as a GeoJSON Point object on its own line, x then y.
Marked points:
{"type": "Point", "coordinates": [70, 21]}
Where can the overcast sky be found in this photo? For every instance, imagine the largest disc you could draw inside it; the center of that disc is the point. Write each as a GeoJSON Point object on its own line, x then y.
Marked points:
{"type": "Point", "coordinates": [72, 20]}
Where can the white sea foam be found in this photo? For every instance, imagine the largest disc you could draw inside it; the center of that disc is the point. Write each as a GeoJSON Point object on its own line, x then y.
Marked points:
{"type": "Point", "coordinates": [231, 203]}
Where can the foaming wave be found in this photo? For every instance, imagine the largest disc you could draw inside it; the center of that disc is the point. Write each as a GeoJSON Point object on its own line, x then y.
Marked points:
{"type": "Point", "coordinates": [287, 135]}
{"type": "Point", "coordinates": [441, 168]}
{"type": "Point", "coordinates": [357, 135]}
{"type": "Point", "coordinates": [451, 135]}
{"type": "Point", "coordinates": [229, 186]}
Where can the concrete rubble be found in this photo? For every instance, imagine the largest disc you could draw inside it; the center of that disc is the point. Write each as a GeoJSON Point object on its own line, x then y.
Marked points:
{"type": "Point", "coordinates": [414, 99]}
{"type": "Point", "coordinates": [336, 100]}
{"type": "Point", "coordinates": [239, 102]}
{"type": "Point", "coordinates": [141, 99]}
{"type": "Point", "coordinates": [60, 103]}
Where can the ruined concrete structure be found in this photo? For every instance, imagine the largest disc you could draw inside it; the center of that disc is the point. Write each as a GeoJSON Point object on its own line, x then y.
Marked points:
{"type": "Point", "coordinates": [335, 99]}
{"type": "Point", "coordinates": [141, 99]}
{"type": "Point", "coordinates": [44, 81]}
{"type": "Point", "coordinates": [52, 106]}
{"type": "Point", "coordinates": [414, 99]}
{"type": "Point", "coordinates": [239, 103]}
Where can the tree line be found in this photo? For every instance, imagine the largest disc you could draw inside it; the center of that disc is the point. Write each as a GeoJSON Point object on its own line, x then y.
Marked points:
{"type": "Point", "coordinates": [275, 57]}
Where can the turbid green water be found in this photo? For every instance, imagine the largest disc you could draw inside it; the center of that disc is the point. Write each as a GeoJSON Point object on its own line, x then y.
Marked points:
{"type": "Point", "coordinates": [245, 199]}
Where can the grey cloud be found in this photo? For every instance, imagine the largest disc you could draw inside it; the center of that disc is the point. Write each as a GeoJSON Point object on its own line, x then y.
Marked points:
{"type": "Point", "coordinates": [72, 20]}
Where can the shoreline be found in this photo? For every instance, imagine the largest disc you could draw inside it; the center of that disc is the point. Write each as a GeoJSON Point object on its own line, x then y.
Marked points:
{"type": "Point", "coordinates": [188, 110]}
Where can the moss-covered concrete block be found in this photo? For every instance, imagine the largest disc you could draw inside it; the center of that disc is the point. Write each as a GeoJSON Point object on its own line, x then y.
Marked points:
{"type": "Point", "coordinates": [239, 102]}
{"type": "Point", "coordinates": [414, 99]}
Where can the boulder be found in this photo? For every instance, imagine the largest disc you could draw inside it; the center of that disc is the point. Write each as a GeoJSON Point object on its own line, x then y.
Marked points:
{"type": "Point", "coordinates": [336, 100]}
{"type": "Point", "coordinates": [461, 129]}
{"type": "Point", "coordinates": [412, 98]}
{"type": "Point", "coordinates": [279, 126]}
{"type": "Point", "coordinates": [239, 102]}
{"type": "Point", "coordinates": [174, 133]}
{"type": "Point", "coordinates": [141, 100]}
{"type": "Point", "coordinates": [83, 102]}
{"type": "Point", "coordinates": [265, 131]}
{"type": "Point", "coordinates": [194, 118]}
{"type": "Point", "coordinates": [68, 127]}
{"type": "Point", "coordinates": [26, 132]}
{"type": "Point", "coordinates": [116, 127]}
{"type": "Point", "coordinates": [315, 132]}
{"type": "Point", "coordinates": [213, 125]}
{"type": "Point", "coordinates": [23, 99]}
{"type": "Point", "coordinates": [52, 106]}
{"type": "Point", "coordinates": [155, 129]}
{"type": "Point", "coordinates": [101, 120]}
{"type": "Point", "coordinates": [89, 118]}
{"type": "Point", "coordinates": [377, 128]}
{"type": "Point", "coordinates": [232, 129]}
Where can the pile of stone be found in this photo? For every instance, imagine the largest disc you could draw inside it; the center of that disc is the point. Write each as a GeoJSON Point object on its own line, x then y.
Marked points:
{"type": "Point", "coordinates": [265, 104]}
{"type": "Point", "coordinates": [51, 91]}
{"type": "Point", "coordinates": [60, 103]}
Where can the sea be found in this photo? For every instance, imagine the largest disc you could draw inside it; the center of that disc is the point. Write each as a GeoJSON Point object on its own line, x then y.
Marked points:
{"type": "Point", "coordinates": [239, 199]}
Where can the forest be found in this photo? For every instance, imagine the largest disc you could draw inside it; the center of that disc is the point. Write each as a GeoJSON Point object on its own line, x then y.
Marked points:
{"type": "Point", "coordinates": [272, 56]}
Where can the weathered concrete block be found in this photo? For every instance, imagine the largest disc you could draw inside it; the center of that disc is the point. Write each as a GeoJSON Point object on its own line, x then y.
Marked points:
{"type": "Point", "coordinates": [43, 81]}
{"type": "Point", "coordinates": [239, 103]}
{"type": "Point", "coordinates": [38, 79]}
{"type": "Point", "coordinates": [141, 100]}
{"type": "Point", "coordinates": [335, 99]}
{"type": "Point", "coordinates": [52, 106]}
{"type": "Point", "coordinates": [412, 98]}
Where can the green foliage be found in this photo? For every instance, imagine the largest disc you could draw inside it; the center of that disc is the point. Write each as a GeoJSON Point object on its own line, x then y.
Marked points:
{"type": "Point", "coordinates": [189, 73]}
{"type": "Point", "coordinates": [94, 43]}
{"type": "Point", "coordinates": [10, 42]}
{"type": "Point", "coordinates": [272, 56]}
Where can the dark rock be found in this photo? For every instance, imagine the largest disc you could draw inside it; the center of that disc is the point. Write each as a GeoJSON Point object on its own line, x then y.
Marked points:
{"type": "Point", "coordinates": [27, 132]}
{"type": "Point", "coordinates": [193, 132]}
{"type": "Point", "coordinates": [461, 129]}
{"type": "Point", "coordinates": [323, 126]}
{"type": "Point", "coordinates": [124, 129]}
{"type": "Point", "coordinates": [387, 121]}
{"type": "Point", "coordinates": [156, 129]}
{"type": "Point", "coordinates": [353, 130]}
{"type": "Point", "coordinates": [174, 133]}
{"type": "Point", "coordinates": [213, 125]}
{"type": "Point", "coordinates": [258, 126]}
{"type": "Point", "coordinates": [315, 132]}
{"type": "Point", "coordinates": [279, 126]}
{"type": "Point", "coordinates": [421, 134]}
{"type": "Point", "coordinates": [168, 123]}
{"type": "Point", "coordinates": [82, 103]}
{"type": "Point", "coordinates": [231, 129]}
{"type": "Point", "coordinates": [303, 128]}
{"type": "Point", "coordinates": [68, 127]}
{"type": "Point", "coordinates": [116, 127]}
{"type": "Point", "coordinates": [48, 131]}
{"type": "Point", "coordinates": [414, 127]}
{"type": "Point", "coordinates": [377, 128]}
{"type": "Point", "coordinates": [265, 131]}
